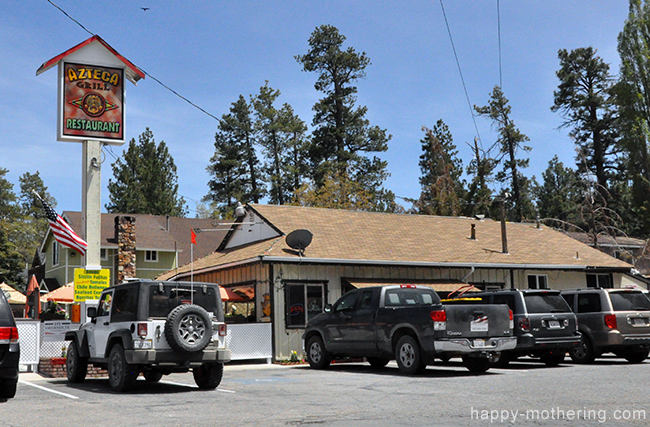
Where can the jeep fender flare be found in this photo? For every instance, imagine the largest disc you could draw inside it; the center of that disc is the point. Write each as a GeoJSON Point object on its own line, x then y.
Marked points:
{"type": "Point", "coordinates": [82, 342]}
{"type": "Point", "coordinates": [121, 336]}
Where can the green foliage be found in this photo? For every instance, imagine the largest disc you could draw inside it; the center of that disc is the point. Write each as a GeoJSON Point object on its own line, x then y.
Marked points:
{"type": "Point", "coordinates": [584, 100]}
{"type": "Point", "coordinates": [510, 141]}
{"type": "Point", "coordinates": [632, 96]}
{"type": "Point", "coordinates": [558, 196]}
{"type": "Point", "coordinates": [343, 141]}
{"type": "Point", "coordinates": [442, 188]}
{"type": "Point", "coordinates": [281, 134]}
{"type": "Point", "coordinates": [145, 181]}
{"type": "Point", "coordinates": [342, 192]}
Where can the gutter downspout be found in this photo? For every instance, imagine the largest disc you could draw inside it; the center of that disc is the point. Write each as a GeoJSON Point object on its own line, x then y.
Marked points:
{"type": "Point", "coordinates": [471, 271]}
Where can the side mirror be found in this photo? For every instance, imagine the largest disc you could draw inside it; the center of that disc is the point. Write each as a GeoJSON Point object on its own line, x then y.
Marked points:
{"type": "Point", "coordinates": [91, 312]}
{"type": "Point", "coordinates": [327, 308]}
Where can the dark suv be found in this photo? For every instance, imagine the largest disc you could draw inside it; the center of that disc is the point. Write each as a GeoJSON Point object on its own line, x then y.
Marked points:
{"type": "Point", "coordinates": [611, 321]}
{"type": "Point", "coordinates": [9, 351]}
{"type": "Point", "coordinates": [545, 326]}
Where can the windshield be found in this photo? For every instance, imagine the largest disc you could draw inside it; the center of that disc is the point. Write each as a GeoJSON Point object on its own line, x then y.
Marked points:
{"type": "Point", "coordinates": [627, 301]}
{"type": "Point", "coordinates": [546, 303]}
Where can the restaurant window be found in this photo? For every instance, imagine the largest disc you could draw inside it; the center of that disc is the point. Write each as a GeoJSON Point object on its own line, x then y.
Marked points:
{"type": "Point", "coordinates": [599, 280]}
{"type": "Point", "coordinates": [537, 281]}
{"type": "Point", "coordinates": [55, 253]}
{"type": "Point", "coordinates": [103, 254]}
{"type": "Point", "coordinates": [303, 302]}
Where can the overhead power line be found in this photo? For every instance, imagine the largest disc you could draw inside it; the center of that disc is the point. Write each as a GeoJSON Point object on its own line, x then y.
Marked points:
{"type": "Point", "coordinates": [460, 72]}
{"type": "Point", "coordinates": [147, 74]}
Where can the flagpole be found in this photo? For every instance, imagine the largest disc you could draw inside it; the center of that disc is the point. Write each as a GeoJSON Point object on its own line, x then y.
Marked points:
{"type": "Point", "coordinates": [192, 272]}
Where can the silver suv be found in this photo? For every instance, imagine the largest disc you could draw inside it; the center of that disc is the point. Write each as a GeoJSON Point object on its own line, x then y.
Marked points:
{"type": "Point", "coordinates": [611, 321]}
{"type": "Point", "coordinates": [154, 328]}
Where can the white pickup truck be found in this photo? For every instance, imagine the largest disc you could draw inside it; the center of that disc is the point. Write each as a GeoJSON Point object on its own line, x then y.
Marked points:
{"type": "Point", "coordinates": [154, 328]}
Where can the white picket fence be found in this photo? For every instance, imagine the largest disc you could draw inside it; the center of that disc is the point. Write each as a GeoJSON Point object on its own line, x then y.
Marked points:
{"type": "Point", "coordinates": [245, 341]}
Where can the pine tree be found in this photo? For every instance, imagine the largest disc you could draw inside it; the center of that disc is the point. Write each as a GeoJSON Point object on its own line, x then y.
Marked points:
{"type": "Point", "coordinates": [510, 141]}
{"type": "Point", "coordinates": [558, 196]}
{"type": "Point", "coordinates": [145, 181]}
{"type": "Point", "coordinates": [442, 189]}
{"type": "Point", "coordinates": [343, 141]}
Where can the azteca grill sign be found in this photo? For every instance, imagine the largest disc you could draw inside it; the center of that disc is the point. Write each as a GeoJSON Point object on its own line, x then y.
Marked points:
{"type": "Point", "coordinates": [93, 103]}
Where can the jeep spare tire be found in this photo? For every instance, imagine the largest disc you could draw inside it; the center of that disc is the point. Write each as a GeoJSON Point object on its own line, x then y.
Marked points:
{"type": "Point", "coordinates": [188, 328]}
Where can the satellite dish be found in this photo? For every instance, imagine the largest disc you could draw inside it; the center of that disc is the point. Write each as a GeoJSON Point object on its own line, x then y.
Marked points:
{"type": "Point", "coordinates": [299, 240]}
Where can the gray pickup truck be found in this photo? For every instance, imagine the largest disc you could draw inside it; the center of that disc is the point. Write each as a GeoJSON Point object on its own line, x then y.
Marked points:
{"type": "Point", "coordinates": [408, 323]}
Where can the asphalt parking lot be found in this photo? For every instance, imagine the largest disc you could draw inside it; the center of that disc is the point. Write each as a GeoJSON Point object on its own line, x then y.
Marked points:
{"type": "Point", "coordinates": [610, 392]}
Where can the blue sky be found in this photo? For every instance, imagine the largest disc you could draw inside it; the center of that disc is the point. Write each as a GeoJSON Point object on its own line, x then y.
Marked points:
{"type": "Point", "coordinates": [213, 51]}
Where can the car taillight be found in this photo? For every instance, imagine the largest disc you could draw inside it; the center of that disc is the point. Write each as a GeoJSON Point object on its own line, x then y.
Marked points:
{"type": "Point", "coordinates": [142, 330]}
{"type": "Point", "coordinates": [524, 324]}
{"type": "Point", "coordinates": [223, 330]}
{"type": "Point", "coordinates": [439, 318]}
{"type": "Point", "coordinates": [8, 335]}
{"type": "Point", "coordinates": [512, 322]}
{"type": "Point", "coordinates": [610, 321]}
{"type": "Point", "coordinates": [407, 286]}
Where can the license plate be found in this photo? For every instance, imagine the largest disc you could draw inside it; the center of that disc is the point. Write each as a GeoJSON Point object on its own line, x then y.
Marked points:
{"type": "Point", "coordinates": [639, 322]}
{"type": "Point", "coordinates": [479, 324]}
{"type": "Point", "coordinates": [479, 343]}
{"type": "Point", "coordinates": [553, 324]}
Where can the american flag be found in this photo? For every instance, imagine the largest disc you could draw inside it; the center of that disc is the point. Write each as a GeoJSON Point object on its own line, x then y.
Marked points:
{"type": "Point", "coordinates": [63, 233]}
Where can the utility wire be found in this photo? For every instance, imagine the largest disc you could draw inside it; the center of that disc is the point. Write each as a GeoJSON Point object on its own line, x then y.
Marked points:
{"type": "Point", "coordinates": [460, 71]}
{"type": "Point", "coordinates": [147, 74]}
{"type": "Point", "coordinates": [499, 36]}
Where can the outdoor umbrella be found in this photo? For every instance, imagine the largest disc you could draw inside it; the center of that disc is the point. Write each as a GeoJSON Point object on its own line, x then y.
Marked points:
{"type": "Point", "coordinates": [14, 297]}
{"type": "Point", "coordinates": [64, 294]}
{"type": "Point", "coordinates": [228, 295]}
{"type": "Point", "coordinates": [33, 292]}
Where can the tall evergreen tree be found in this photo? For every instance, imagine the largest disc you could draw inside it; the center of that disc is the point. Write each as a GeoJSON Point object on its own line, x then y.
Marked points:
{"type": "Point", "coordinates": [442, 188]}
{"type": "Point", "coordinates": [558, 196]}
{"type": "Point", "coordinates": [584, 101]}
{"type": "Point", "coordinates": [633, 102]}
{"type": "Point", "coordinates": [478, 198]}
{"type": "Point", "coordinates": [343, 141]}
{"type": "Point", "coordinates": [145, 181]}
{"type": "Point", "coordinates": [235, 169]}
{"type": "Point", "coordinates": [510, 141]}
{"type": "Point", "coordinates": [280, 133]}
{"type": "Point", "coordinates": [12, 262]}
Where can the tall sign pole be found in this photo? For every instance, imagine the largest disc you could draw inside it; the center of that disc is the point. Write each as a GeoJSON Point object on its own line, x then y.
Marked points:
{"type": "Point", "coordinates": [91, 111]}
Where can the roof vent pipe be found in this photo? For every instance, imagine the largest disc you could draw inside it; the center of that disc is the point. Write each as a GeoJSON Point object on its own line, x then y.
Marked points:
{"type": "Point", "coordinates": [472, 232]}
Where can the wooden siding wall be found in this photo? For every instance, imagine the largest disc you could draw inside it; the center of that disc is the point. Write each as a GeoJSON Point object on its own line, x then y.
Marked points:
{"type": "Point", "coordinates": [257, 274]}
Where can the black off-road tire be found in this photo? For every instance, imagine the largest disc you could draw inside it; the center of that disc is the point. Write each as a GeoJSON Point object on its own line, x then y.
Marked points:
{"type": "Point", "coordinates": [636, 355]}
{"type": "Point", "coordinates": [504, 360]}
{"type": "Point", "coordinates": [553, 358]}
{"type": "Point", "coordinates": [476, 365]}
{"type": "Point", "coordinates": [378, 362]}
{"type": "Point", "coordinates": [121, 375]}
{"type": "Point", "coordinates": [188, 328]}
{"type": "Point", "coordinates": [317, 356]}
{"type": "Point", "coordinates": [583, 352]}
{"type": "Point", "coordinates": [8, 388]}
{"type": "Point", "coordinates": [407, 355]}
{"type": "Point", "coordinates": [76, 366]}
{"type": "Point", "coordinates": [208, 376]}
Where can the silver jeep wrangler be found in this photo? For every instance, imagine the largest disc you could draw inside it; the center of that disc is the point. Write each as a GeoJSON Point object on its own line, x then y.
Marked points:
{"type": "Point", "coordinates": [154, 328]}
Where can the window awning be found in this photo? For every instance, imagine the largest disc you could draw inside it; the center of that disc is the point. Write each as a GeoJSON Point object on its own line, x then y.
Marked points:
{"type": "Point", "coordinates": [440, 285]}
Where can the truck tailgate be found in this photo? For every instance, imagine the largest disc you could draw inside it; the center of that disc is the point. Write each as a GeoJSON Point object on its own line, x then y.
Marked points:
{"type": "Point", "coordinates": [478, 321]}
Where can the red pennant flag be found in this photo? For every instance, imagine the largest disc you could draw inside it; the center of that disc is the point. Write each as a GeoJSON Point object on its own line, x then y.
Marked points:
{"type": "Point", "coordinates": [193, 236]}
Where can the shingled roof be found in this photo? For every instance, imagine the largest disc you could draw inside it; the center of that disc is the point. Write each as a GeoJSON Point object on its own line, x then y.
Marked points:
{"type": "Point", "coordinates": [156, 232]}
{"type": "Point", "coordinates": [341, 236]}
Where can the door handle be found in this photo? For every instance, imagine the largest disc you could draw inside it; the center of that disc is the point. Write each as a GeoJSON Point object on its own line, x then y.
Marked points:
{"type": "Point", "coordinates": [105, 323]}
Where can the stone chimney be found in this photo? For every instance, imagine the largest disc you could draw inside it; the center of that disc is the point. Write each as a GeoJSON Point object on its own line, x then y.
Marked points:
{"type": "Point", "coordinates": [125, 237]}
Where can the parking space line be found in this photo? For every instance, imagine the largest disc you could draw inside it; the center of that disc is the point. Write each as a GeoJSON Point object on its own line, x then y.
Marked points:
{"type": "Point", "coordinates": [195, 386]}
{"type": "Point", "coordinates": [69, 396]}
